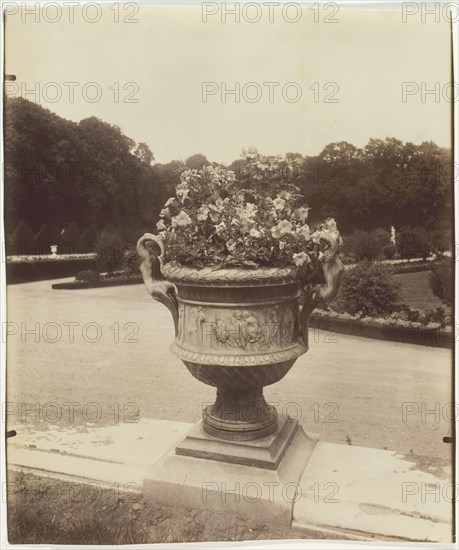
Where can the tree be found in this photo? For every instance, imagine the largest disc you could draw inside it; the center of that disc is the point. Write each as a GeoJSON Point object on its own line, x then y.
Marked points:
{"type": "Point", "coordinates": [196, 162]}
{"type": "Point", "coordinates": [413, 242]}
{"type": "Point", "coordinates": [143, 153]}
{"type": "Point", "coordinates": [70, 241]}
{"type": "Point", "coordinates": [57, 170]}
{"type": "Point", "coordinates": [387, 183]}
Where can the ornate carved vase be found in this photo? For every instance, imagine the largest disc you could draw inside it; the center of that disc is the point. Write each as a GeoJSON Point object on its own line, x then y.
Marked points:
{"type": "Point", "coordinates": [237, 330]}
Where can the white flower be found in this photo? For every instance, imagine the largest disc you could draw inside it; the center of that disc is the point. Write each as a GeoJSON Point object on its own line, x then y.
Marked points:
{"type": "Point", "coordinates": [330, 224]}
{"type": "Point", "coordinates": [169, 202]}
{"type": "Point", "coordinates": [203, 213]}
{"type": "Point", "coordinates": [160, 226]}
{"type": "Point", "coordinates": [231, 246]}
{"type": "Point", "coordinates": [182, 194]}
{"type": "Point", "coordinates": [251, 209]}
{"type": "Point", "coordinates": [255, 233]}
{"type": "Point", "coordinates": [215, 216]}
{"type": "Point", "coordinates": [246, 215]}
{"type": "Point", "coordinates": [281, 245]}
{"type": "Point", "coordinates": [279, 204]}
{"type": "Point", "coordinates": [304, 232]}
{"type": "Point", "coordinates": [220, 228]}
{"type": "Point", "coordinates": [181, 220]}
{"type": "Point", "coordinates": [301, 258]}
{"type": "Point", "coordinates": [282, 228]}
{"type": "Point", "coordinates": [302, 213]}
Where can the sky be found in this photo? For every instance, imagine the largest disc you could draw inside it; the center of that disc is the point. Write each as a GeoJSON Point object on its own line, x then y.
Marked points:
{"type": "Point", "coordinates": [335, 74]}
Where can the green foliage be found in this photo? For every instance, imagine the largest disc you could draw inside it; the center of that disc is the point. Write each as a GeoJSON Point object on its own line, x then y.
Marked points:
{"type": "Point", "coordinates": [441, 280]}
{"type": "Point", "coordinates": [441, 240]}
{"type": "Point", "coordinates": [89, 239]}
{"type": "Point", "coordinates": [110, 252]}
{"type": "Point", "coordinates": [385, 183]}
{"type": "Point", "coordinates": [22, 241]}
{"type": "Point", "coordinates": [58, 170]}
{"type": "Point", "coordinates": [47, 236]}
{"type": "Point", "coordinates": [131, 262]}
{"type": "Point", "coordinates": [110, 229]}
{"type": "Point", "coordinates": [196, 162]}
{"type": "Point", "coordinates": [218, 218]}
{"type": "Point", "coordinates": [413, 242]}
{"type": "Point", "coordinates": [368, 289]}
{"type": "Point", "coordinates": [437, 315]}
{"type": "Point", "coordinates": [368, 245]}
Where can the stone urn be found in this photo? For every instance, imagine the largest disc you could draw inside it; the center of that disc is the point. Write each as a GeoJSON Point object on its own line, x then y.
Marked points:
{"type": "Point", "coordinates": [238, 330]}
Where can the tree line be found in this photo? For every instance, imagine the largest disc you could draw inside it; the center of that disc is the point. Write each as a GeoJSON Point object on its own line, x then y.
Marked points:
{"type": "Point", "coordinates": [89, 173]}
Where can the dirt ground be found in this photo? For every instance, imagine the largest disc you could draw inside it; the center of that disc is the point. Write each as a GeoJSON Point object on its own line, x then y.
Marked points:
{"type": "Point", "coordinates": [44, 511]}
{"type": "Point", "coordinates": [107, 352]}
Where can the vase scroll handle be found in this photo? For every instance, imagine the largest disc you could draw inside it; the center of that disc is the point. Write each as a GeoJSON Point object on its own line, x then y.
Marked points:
{"type": "Point", "coordinates": [150, 248]}
{"type": "Point", "coordinates": [332, 270]}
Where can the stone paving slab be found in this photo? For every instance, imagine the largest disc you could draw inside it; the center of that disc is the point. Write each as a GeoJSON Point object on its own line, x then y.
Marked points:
{"type": "Point", "coordinates": [362, 493]}
{"type": "Point", "coordinates": [377, 491]}
{"type": "Point", "coordinates": [113, 454]}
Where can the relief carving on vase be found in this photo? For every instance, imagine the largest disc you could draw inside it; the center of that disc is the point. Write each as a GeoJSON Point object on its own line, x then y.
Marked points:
{"type": "Point", "coordinates": [269, 328]}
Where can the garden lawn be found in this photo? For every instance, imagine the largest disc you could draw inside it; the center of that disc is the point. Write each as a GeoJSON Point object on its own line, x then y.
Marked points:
{"type": "Point", "coordinates": [416, 292]}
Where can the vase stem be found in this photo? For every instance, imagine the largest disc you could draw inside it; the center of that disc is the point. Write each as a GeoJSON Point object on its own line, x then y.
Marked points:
{"type": "Point", "coordinates": [240, 415]}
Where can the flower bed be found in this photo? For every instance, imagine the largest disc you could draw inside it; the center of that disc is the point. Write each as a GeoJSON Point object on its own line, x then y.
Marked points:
{"type": "Point", "coordinates": [389, 328]}
{"type": "Point", "coordinates": [251, 219]}
{"type": "Point", "coordinates": [413, 267]}
{"type": "Point", "coordinates": [118, 278]}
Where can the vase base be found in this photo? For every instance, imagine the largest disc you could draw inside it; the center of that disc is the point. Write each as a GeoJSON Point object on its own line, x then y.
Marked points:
{"type": "Point", "coordinates": [240, 431]}
{"type": "Point", "coordinates": [262, 453]}
{"type": "Point", "coordinates": [256, 492]}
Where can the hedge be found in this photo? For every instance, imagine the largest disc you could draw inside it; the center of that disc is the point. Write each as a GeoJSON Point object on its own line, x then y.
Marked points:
{"type": "Point", "coordinates": [45, 269]}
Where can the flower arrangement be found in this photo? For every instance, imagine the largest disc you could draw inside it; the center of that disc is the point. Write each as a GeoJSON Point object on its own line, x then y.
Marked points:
{"type": "Point", "coordinates": [257, 218]}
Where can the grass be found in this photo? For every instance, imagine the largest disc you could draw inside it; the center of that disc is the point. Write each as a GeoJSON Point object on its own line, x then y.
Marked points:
{"type": "Point", "coordinates": [44, 511]}
{"type": "Point", "coordinates": [416, 292]}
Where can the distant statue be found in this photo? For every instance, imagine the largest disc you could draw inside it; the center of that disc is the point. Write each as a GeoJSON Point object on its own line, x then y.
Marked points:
{"type": "Point", "coordinates": [392, 235]}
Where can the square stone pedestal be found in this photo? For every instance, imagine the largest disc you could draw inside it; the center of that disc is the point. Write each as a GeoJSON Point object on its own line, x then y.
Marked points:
{"type": "Point", "coordinates": [254, 479]}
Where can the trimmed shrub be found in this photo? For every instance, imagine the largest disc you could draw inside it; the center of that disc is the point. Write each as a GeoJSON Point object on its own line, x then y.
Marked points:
{"type": "Point", "coordinates": [368, 289]}
{"type": "Point", "coordinates": [131, 262]}
{"type": "Point", "coordinates": [47, 236]}
{"type": "Point", "coordinates": [413, 242]}
{"type": "Point", "coordinates": [363, 245]}
{"type": "Point", "coordinates": [110, 252]}
{"type": "Point", "coordinates": [389, 251]}
{"type": "Point", "coordinates": [441, 280]}
{"type": "Point", "coordinates": [44, 269]}
{"type": "Point", "coordinates": [89, 239]}
{"type": "Point", "coordinates": [441, 240]}
{"type": "Point", "coordinates": [89, 275]}
{"type": "Point", "coordinates": [132, 236]}
{"type": "Point", "coordinates": [22, 241]}
{"type": "Point", "coordinates": [110, 228]}
{"type": "Point", "coordinates": [70, 241]}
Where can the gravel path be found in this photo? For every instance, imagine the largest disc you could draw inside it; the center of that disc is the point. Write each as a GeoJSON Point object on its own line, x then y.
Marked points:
{"type": "Point", "coordinates": [114, 365]}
